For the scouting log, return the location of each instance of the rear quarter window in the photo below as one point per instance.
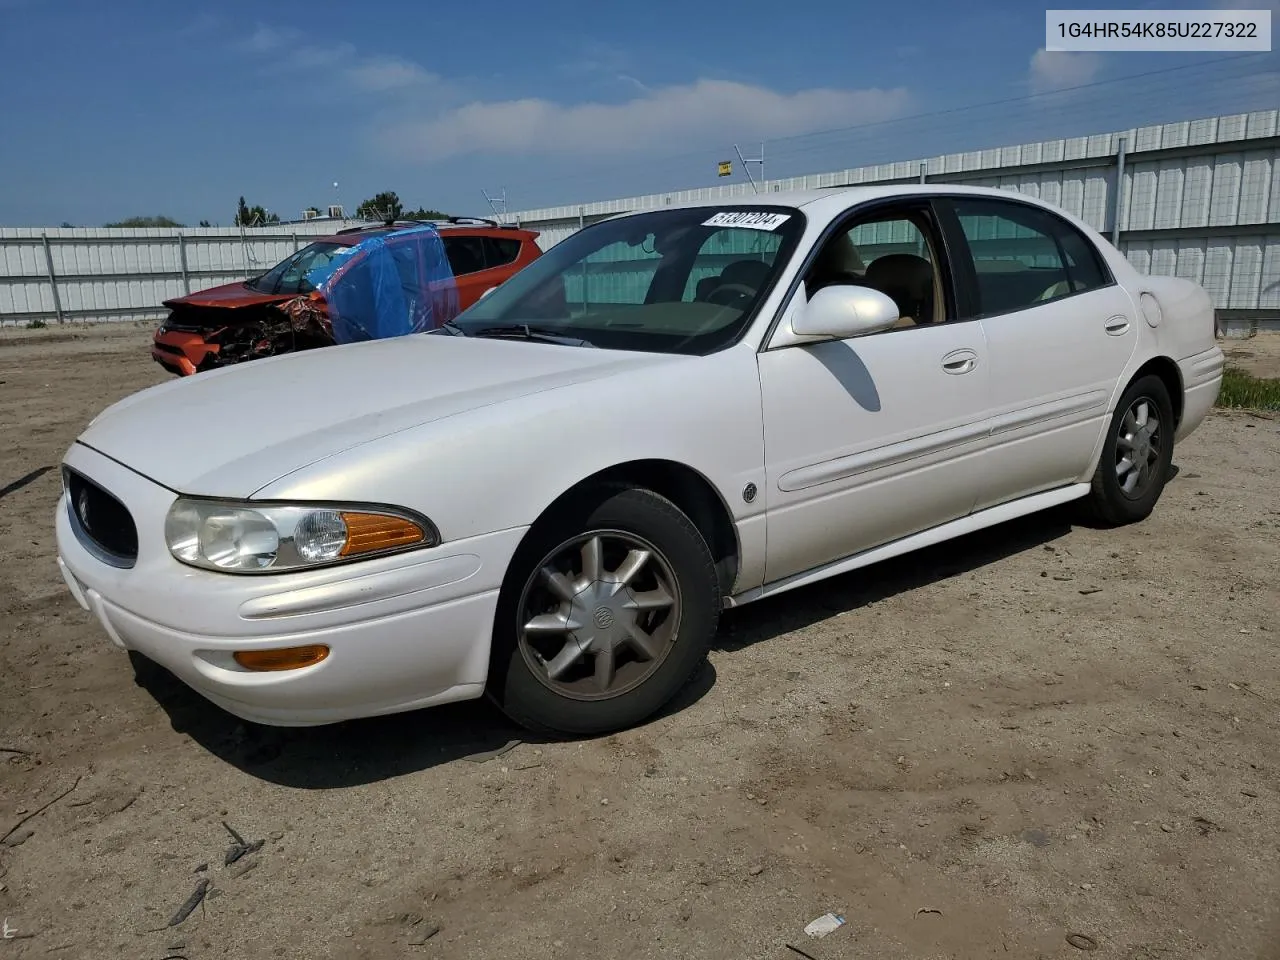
(466, 254)
(500, 251)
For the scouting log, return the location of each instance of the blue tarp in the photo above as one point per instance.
(388, 285)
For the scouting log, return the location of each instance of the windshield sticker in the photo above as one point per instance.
(749, 220)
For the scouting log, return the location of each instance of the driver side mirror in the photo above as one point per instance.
(844, 311)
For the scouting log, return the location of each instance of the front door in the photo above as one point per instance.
(874, 438)
(1060, 333)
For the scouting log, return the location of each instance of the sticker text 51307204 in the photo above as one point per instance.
(750, 220)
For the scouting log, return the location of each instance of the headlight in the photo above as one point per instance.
(275, 538)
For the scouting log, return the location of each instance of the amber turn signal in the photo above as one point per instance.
(367, 532)
(286, 658)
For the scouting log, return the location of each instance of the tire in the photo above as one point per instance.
(577, 617)
(1108, 501)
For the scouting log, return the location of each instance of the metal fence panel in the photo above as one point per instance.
(1197, 199)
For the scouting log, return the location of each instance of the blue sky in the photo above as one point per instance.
(131, 108)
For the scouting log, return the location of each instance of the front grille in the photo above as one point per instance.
(169, 348)
(102, 521)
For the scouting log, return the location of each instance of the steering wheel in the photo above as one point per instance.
(736, 291)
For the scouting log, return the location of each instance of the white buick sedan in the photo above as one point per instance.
(550, 500)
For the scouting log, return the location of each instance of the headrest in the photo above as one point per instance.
(749, 272)
(839, 256)
(902, 271)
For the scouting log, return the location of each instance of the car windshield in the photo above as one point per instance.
(673, 281)
(290, 274)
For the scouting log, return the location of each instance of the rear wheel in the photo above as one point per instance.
(1136, 456)
(608, 609)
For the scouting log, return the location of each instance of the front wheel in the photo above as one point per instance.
(1136, 456)
(608, 610)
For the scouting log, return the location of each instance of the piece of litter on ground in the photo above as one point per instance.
(825, 924)
(193, 901)
(484, 755)
(422, 936)
(19, 838)
(236, 851)
(244, 868)
(794, 949)
(1082, 942)
(928, 910)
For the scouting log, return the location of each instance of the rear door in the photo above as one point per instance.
(478, 263)
(1059, 331)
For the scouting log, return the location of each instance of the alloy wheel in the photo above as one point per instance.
(599, 615)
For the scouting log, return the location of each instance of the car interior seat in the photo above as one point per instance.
(837, 262)
(748, 273)
(908, 280)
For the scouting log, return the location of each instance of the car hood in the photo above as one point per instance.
(229, 295)
(231, 431)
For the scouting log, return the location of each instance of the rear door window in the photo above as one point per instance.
(1023, 256)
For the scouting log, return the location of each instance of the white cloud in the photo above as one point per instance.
(431, 118)
(379, 74)
(286, 49)
(1058, 69)
(704, 112)
(266, 39)
(633, 82)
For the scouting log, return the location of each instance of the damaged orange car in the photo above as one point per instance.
(281, 311)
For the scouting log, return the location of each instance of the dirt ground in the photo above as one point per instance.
(1258, 355)
(1039, 732)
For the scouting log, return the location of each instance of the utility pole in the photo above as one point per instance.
(744, 161)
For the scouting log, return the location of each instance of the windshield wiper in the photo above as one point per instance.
(450, 328)
(527, 332)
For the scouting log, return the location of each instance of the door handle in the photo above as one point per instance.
(1117, 325)
(960, 361)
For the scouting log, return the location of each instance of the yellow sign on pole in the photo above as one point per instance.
(726, 168)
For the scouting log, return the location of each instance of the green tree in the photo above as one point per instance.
(385, 206)
(247, 216)
(424, 214)
(205, 223)
(146, 222)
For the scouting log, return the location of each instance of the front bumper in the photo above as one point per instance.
(404, 632)
(181, 352)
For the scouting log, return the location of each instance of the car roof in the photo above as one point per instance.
(829, 202)
(467, 226)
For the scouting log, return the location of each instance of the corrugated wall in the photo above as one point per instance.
(1200, 199)
(125, 273)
